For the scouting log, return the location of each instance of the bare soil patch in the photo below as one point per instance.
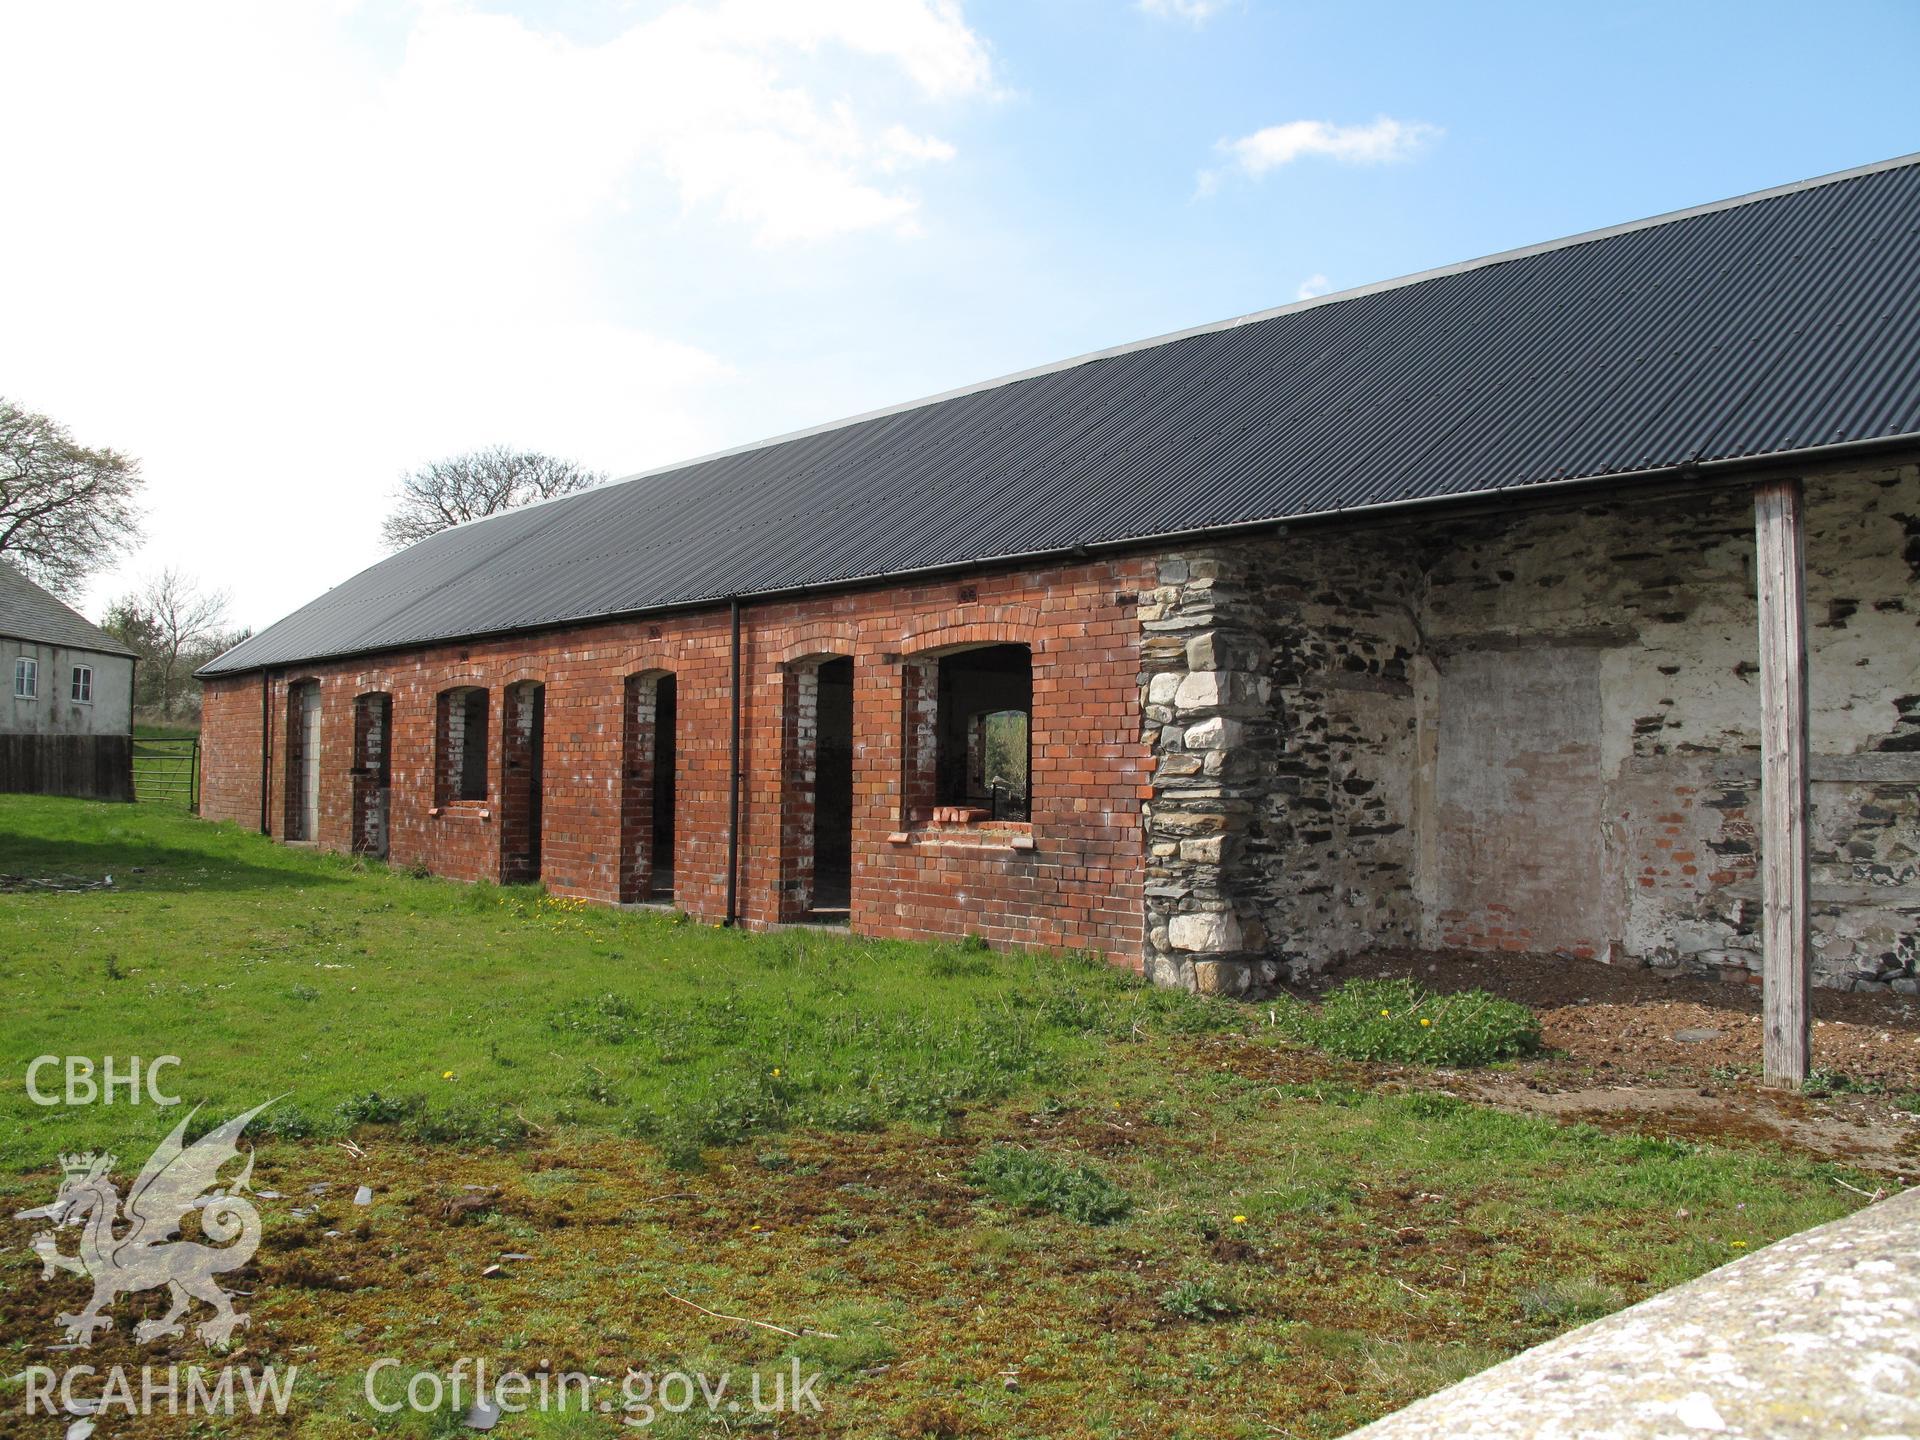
(1631, 1048)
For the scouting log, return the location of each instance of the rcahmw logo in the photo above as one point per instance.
(132, 1245)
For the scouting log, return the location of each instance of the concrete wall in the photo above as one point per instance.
(54, 712)
(1534, 732)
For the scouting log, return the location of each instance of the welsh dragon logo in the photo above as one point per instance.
(125, 1248)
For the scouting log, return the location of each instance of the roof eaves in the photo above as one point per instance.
(1729, 468)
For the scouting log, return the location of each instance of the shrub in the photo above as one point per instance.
(466, 1124)
(288, 1122)
(1401, 1020)
(373, 1108)
(1199, 1300)
(1034, 1181)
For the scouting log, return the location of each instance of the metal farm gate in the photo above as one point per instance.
(167, 772)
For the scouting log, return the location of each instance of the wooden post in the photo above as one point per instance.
(1780, 572)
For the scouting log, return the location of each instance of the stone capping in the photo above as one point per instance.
(969, 835)
(1817, 1335)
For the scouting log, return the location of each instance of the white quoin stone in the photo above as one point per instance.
(1162, 688)
(1202, 690)
(1215, 734)
(1208, 932)
(1209, 850)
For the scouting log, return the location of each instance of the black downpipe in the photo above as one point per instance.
(266, 733)
(733, 778)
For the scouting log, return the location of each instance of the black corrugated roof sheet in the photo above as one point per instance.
(1774, 323)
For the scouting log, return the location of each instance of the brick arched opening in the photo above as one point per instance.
(649, 785)
(816, 790)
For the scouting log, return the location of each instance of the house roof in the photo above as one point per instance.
(1767, 325)
(29, 613)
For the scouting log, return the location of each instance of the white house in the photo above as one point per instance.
(61, 673)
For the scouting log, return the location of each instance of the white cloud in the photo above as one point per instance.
(1312, 286)
(1384, 141)
(286, 251)
(1197, 12)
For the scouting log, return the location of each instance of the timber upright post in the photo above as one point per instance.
(1780, 576)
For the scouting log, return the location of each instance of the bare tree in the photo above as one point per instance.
(65, 510)
(481, 482)
(175, 627)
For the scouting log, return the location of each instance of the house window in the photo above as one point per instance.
(83, 684)
(26, 679)
(460, 769)
(969, 739)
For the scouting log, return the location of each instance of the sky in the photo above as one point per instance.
(284, 252)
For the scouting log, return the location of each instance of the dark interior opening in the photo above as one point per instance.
(524, 782)
(833, 788)
(665, 768)
(985, 743)
(372, 772)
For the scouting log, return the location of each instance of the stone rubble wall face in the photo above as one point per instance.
(1535, 732)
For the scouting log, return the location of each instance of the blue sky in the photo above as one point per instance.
(321, 241)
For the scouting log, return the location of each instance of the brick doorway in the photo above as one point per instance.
(649, 771)
(522, 782)
(372, 772)
(303, 760)
(817, 813)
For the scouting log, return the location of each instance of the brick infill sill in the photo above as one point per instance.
(463, 810)
(983, 835)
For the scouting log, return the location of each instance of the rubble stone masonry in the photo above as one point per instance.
(1531, 732)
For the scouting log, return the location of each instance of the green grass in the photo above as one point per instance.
(994, 1195)
(272, 971)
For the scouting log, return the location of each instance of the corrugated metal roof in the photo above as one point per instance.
(29, 613)
(1765, 325)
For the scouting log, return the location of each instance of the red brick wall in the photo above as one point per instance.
(1071, 880)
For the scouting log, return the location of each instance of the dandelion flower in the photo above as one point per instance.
(1385, 1013)
(1239, 1219)
(446, 1074)
(1425, 1021)
(776, 1072)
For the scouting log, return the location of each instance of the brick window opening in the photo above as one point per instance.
(969, 736)
(460, 733)
(649, 773)
(816, 816)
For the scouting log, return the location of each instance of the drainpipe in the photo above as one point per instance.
(266, 732)
(133, 689)
(733, 777)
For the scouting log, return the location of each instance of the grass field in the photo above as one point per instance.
(995, 1195)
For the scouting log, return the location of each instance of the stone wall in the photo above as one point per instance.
(1532, 732)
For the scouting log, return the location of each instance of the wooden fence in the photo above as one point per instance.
(93, 767)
